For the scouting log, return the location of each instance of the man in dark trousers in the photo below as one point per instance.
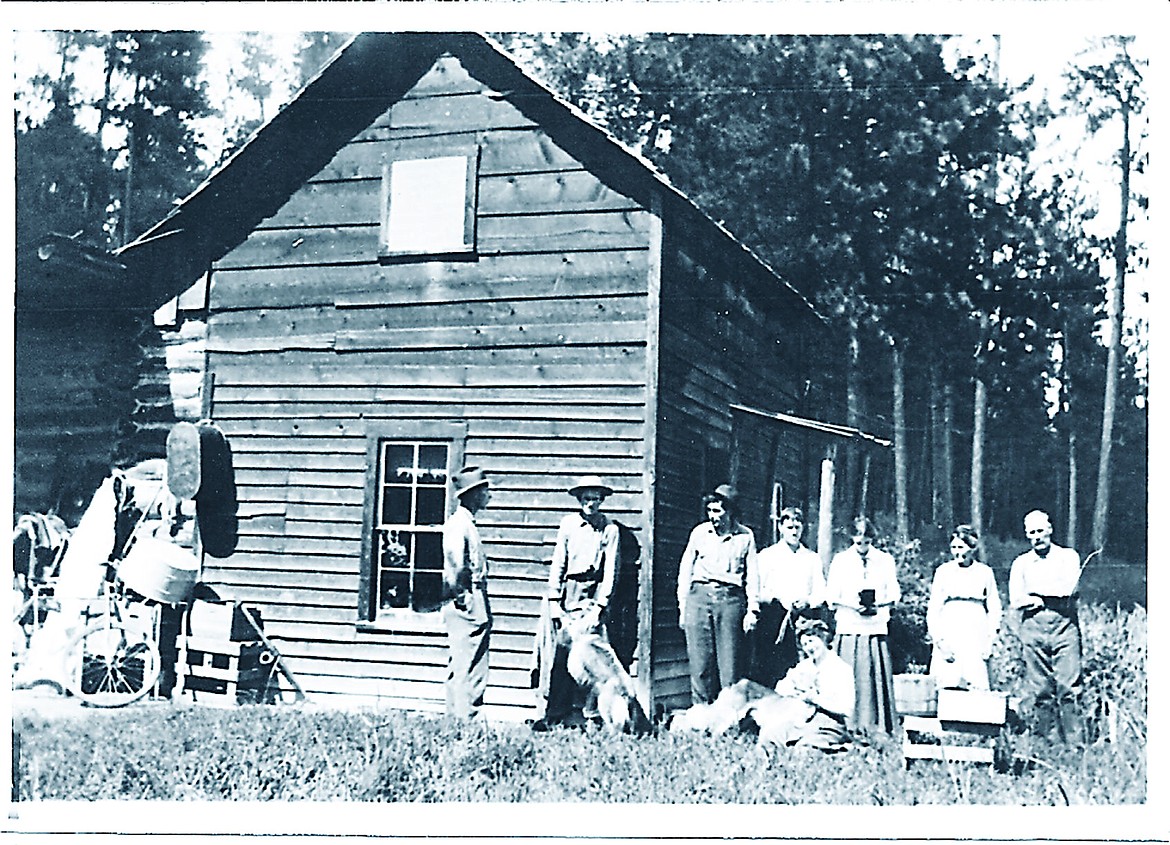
(1042, 589)
(466, 615)
(718, 595)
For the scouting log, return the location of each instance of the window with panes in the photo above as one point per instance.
(408, 497)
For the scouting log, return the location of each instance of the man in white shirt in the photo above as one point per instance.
(466, 615)
(1042, 589)
(792, 587)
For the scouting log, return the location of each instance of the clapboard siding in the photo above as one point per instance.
(717, 348)
(356, 202)
(538, 346)
(496, 235)
(513, 277)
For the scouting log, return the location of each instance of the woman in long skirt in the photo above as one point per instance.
(862, 586)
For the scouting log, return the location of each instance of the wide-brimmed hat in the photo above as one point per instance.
(590, 482)
(467, 479)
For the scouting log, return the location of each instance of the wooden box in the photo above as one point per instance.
(221, 621)
(972, 706)
(225, 673)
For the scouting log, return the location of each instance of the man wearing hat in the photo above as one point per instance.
(1042, 589)
(718, 595)
(466, 615)
(580, 583)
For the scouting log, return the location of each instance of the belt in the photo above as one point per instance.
(972, 599)
(1061, 604)
(716, 584)
(587, 575)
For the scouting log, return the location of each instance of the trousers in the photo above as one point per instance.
(468, 637)
(1052, 674)
(713, 624)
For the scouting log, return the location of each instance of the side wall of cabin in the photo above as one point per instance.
(536, 349)
(723, 342)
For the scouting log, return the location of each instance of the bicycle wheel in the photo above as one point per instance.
(110, 665)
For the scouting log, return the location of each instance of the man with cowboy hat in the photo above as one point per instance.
(718, 595)
(580, 583)
(466, 615)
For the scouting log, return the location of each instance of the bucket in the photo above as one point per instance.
(915, 695)
(159, 570)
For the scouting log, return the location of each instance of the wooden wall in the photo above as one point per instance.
(723, 342)
(74, 374)
(539, 346)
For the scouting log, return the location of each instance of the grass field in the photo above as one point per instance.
(285, 753)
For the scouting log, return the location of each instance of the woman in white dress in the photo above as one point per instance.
(963, 615)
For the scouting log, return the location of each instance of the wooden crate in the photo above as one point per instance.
(966, 727)
(225, 672)
(972, 706)
(209, 620)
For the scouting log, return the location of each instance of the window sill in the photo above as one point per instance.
(468, 255)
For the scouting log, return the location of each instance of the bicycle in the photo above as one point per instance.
(114, 660)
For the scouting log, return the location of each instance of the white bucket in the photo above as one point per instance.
(159, 570)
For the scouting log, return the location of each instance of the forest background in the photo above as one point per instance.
(988, 287)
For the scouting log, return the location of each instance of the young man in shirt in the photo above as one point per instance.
(718, 596)
(580, 583)
(792, 586)
(1042, 589)
(466, 615)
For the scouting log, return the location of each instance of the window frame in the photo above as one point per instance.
(453, 435)
(468, 149)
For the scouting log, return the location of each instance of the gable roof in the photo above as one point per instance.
(368, 75)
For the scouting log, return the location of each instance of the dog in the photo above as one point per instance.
(727, 711)
(594, 665)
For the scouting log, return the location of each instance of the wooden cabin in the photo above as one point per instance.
(426, 260)
(90, 387)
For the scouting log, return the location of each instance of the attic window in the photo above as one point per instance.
(428, 207)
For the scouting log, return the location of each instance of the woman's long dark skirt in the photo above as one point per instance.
(873, 677)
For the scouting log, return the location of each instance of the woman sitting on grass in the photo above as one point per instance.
(813, 701)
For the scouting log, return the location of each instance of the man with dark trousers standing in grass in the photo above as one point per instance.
(1042, 590)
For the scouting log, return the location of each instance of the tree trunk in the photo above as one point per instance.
(900, 487)
(852, 418)
(980, 420)
(1071, 531)
(942, 506)
(1116, 313)
(947, 471)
